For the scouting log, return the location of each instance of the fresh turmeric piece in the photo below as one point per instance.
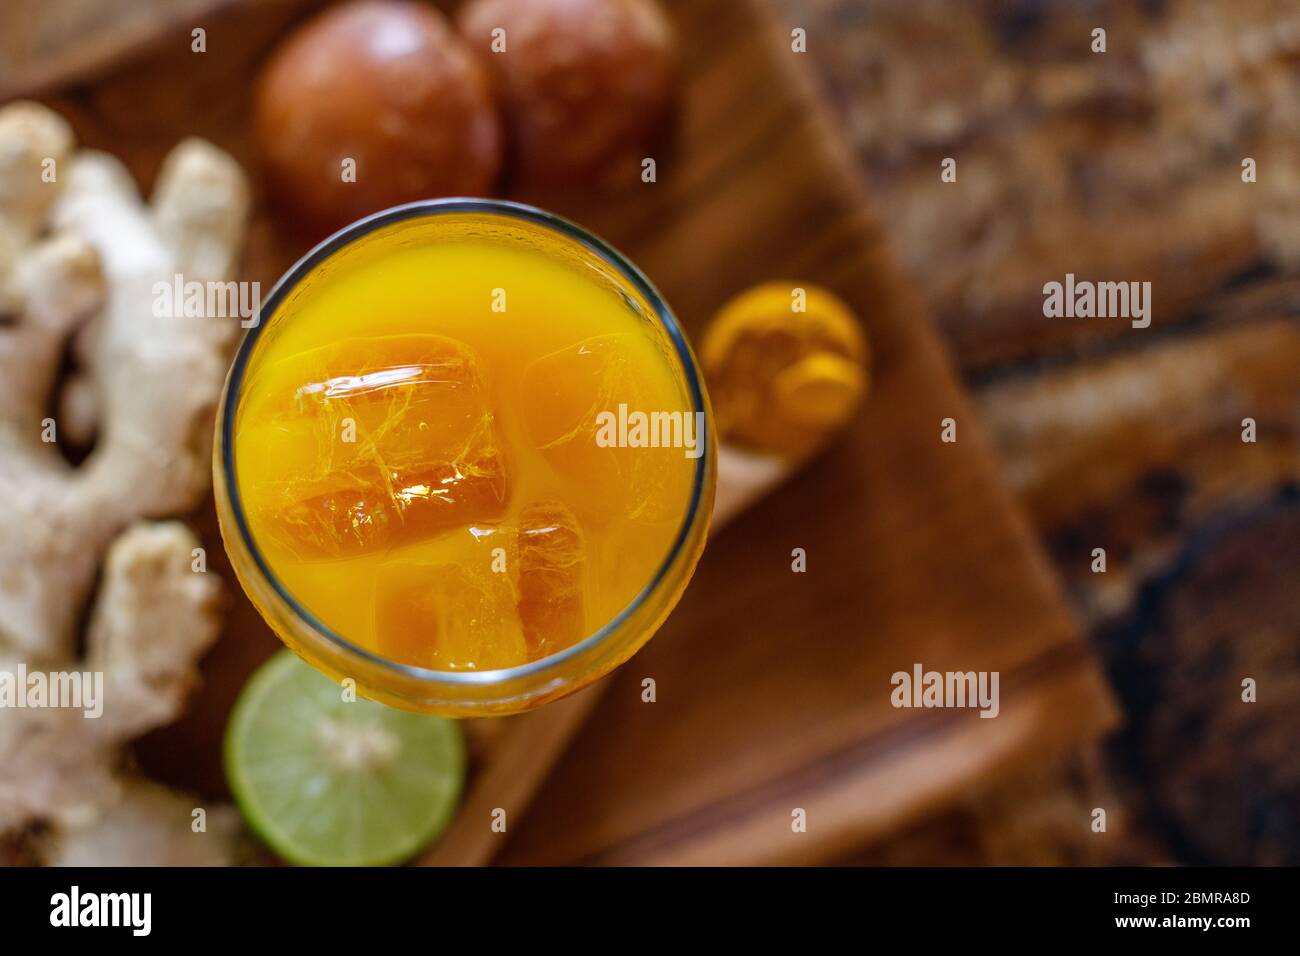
(786, 365)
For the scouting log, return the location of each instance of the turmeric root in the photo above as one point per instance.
(786, 367)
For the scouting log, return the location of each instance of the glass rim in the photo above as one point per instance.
(427, 208)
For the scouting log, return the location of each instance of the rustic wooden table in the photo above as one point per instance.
(1126, 166)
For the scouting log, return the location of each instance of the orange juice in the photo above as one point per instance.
(465, 444)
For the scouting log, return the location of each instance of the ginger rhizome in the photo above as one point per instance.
(80, 255)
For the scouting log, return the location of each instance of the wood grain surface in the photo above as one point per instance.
(772, 687)
(1123, 165)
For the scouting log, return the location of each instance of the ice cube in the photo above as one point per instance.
(567, 392)
(378, 442)
(483, 598)
(552, 561)
(450, 604)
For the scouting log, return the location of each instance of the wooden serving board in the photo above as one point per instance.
(772, 688)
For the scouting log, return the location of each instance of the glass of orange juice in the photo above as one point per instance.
(465, 459)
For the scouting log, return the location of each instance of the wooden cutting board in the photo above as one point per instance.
(772, 687)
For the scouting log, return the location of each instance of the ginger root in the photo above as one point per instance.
(80, 254)
(150, 826)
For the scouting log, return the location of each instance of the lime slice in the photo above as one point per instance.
(330, 782)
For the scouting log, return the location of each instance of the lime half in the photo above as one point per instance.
(332, 782)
